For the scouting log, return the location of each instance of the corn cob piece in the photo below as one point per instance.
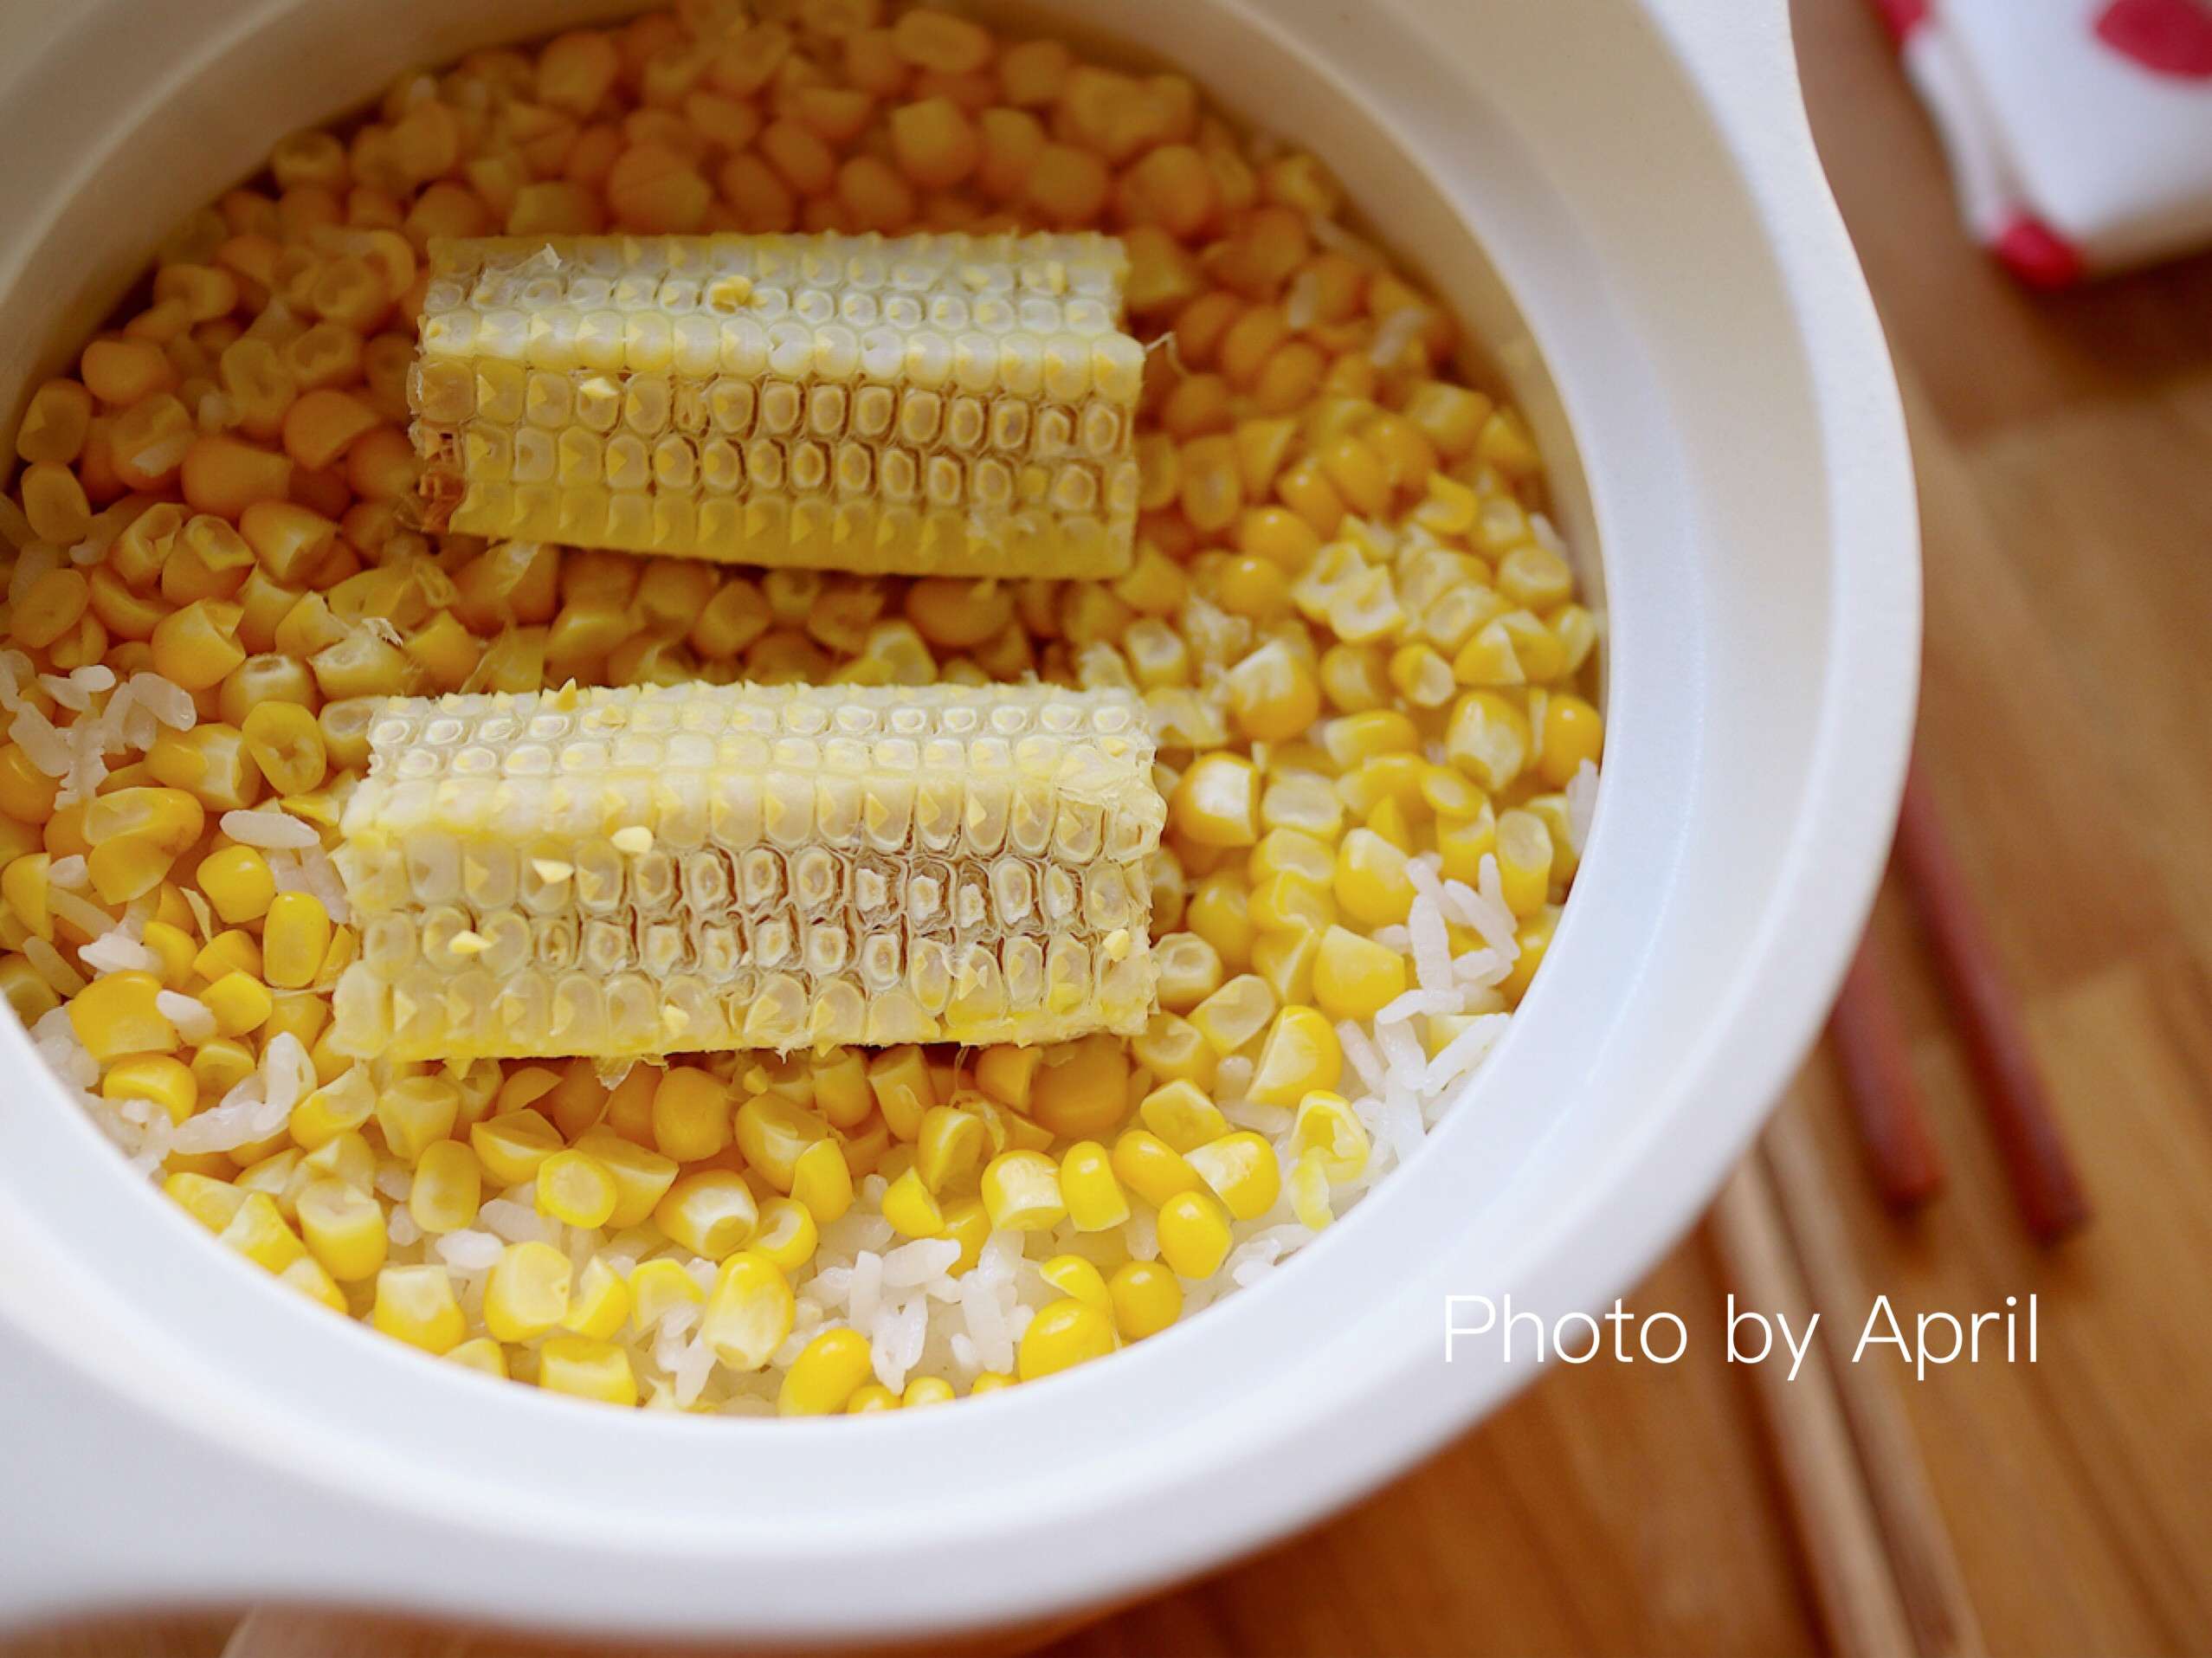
(953, 405)
(629, 873)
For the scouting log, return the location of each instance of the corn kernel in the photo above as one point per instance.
(1301, 1053)
(345, 1229)
(911, 1208)
(1356, 978)
(774, 1132)
(1020, 1190)
(528, 1291)
(1152, 1168)
(710, 1213)
(1067, 1334)
(482, 1354)
(448, 1187)
(115, 1015)
(1217, 800)
(822, 1181)
(871, 1398)
(690, 1115)
(1073, 1276)
(1182, 1115)
(416, 1111)
(599, 1306)
(585, 1368)
(1194, 1234)
(1146, 1299)
(295, 936)
(156, 1077)
(748, 1310)
(828, 1371)
(417, 1305)
(511, 1144)
(576, 1189)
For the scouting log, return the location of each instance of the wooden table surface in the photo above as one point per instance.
(2065, 455)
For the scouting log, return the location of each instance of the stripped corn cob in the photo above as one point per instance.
(931, 404)
(631, 872)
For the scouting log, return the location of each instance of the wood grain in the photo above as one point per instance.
(2064, 451)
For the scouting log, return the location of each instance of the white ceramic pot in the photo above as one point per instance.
(1620, 195)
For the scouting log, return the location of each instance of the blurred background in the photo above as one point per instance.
(2063, 436)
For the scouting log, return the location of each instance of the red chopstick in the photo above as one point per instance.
(1879, 1084)
(2013, 1095)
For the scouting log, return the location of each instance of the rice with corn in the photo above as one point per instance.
(1354, 634)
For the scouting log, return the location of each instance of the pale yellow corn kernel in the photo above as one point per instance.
(692, 1115)
(787, 1234)
(240, 1002)
(309, 1277)
(1216, 803)
(871, 1398)
(1355, 977)
(642, 1175)
(748, 1310)
(1524, 853)
(925, 1390)
(1152, 1168)
(774, 1132)
(210, 1202)
(1064, 1334)
(295, 937)
(1241, 1171)
(115, 1015)
(1464, 843)
(156, 1077)
(220, 1064)
(1309, 1192)
(448, 1187)
(899, 1078)
(1274, 693)
(951, 1145)
(658, 1288)
(1190, 971)
(1301, 1053)
(1488, 738)
(576, 1189)
(1172, 1046)
(1194, 1234)
(1081, 1090)
(909, 1207)
(1219, 912)
(345, 1229)
(1329, 1130)
(710, 1213)
(1020, 1190)
(599, 1306)
(528, 1291)
(1182, 1115)
(840, 1087)
(1072, 1275)
(511, 1144)
(1289, 901)
(585, 1368)
(828, 1371)
(416, 1112)
(417, 1305)
(823, 1180)
(1234, 1014)
(482, 1354)
(260, 1232)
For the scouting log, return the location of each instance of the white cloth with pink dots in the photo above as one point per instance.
(2078, 132)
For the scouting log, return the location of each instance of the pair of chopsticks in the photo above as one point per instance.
(1878, 1075)
(1882, 1570)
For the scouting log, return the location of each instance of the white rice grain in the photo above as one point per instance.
(269, 829)
(194, 1021)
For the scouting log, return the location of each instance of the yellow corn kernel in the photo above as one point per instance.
(1534, 937)
(658, 1288)
(951, 1145)
(899, 1078)
(343, 1227)
(927, 1390)
(1088, 1186)
(576, 1189)
(1290, 902)
(787, 1234)
(1301, 1053)
(911, 1209)
(1194, 1234)
(1182, 1115)
(1356, 978)
(1241, 1171)
(1309, 1192)
(748, 1310)
(527, 1293)
(840, 1087)
(240, 1004)
(337, 1107)
(823, 1180)
(774, 1134)
(871, 1398)
(198, 645)
(286, 740)
(415, 1113)
(1274, 693)
(1190, 971)
(212, 1202)
(1220, 912)
(1329, 1131)
(1574, 734)
(989, 1381)
(511, 1144)
(482, 1354)
(1073, 1276)
(1488, 738)
(1524, 861)
(690, 1115)
(710, 1213)
(115, 1015)
(1371, 880)
(308, 1276)
(221, 1064)
(417, 1305)
(599, 1307)
(823, 1379)
(25, 883)
(1081, 1089)
(1216, 803)
(1234, 1014)
(1464, 843)
(448, 1187)
(166, 1081)
(642, 1177)
(585, 1368)
(1067, 1334)
(1020, 1190)
(1152, 1168)
(295, 937)
(1146, 1299)
(238, 882)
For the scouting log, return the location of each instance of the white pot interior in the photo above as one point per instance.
(1647, 281)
